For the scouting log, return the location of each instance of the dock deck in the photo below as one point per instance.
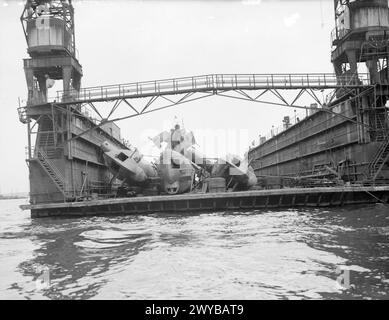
(244, 200)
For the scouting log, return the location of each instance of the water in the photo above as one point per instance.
(290, 254)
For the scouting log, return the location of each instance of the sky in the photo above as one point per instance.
(128, 41)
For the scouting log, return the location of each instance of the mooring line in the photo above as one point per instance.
(369, 193)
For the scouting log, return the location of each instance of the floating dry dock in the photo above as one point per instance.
(245, 200)
(342, 140)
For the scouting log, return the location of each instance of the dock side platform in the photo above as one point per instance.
(196, 202)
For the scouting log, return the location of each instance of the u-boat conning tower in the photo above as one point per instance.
(61, 169)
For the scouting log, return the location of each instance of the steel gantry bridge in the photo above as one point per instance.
(214, 83)
(175, 91)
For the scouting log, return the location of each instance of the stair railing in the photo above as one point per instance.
(43, 157)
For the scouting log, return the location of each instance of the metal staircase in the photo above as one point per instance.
(379, 160)
(379, 119)
(46, 143)
(46, 138)
(55, 175)
(380, 126)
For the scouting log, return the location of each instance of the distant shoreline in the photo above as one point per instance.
(12, 197)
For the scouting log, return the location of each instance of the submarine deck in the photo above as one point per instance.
(243, 200)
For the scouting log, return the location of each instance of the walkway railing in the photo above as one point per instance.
(213, 82)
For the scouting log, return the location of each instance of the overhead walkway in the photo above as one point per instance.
(211, 83)
(188, 89)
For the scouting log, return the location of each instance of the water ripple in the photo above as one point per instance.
(284, 254)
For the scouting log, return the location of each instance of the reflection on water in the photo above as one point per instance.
(290, 254)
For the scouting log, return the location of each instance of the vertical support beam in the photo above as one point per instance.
(319, 200)
(386, 81)
(306, 199)
(358, 113)
(365, 118)
(66, 76)
(77, 82)
(341, 200)
(53, 125)
(352, 59)
(372, 67)
(337, 68)
(42, 88)
(29, 138)
(29, 74)
(69, 132)
(280, 200)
